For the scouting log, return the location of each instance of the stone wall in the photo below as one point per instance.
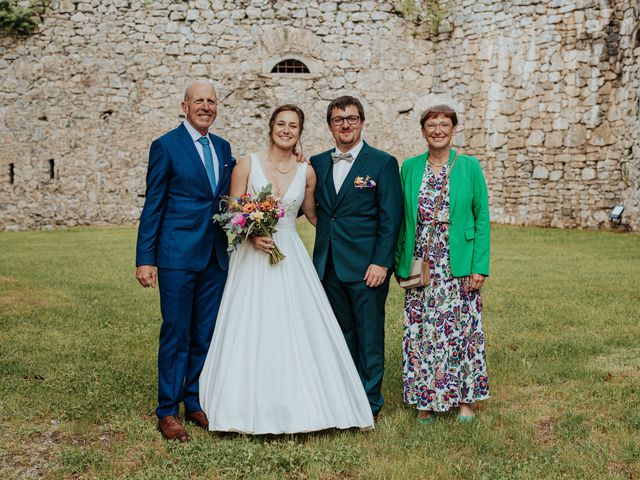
(547, 92)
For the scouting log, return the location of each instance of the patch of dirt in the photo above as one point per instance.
(32, 457)
(543, 432)
(624, 470)
(35, 454)
(621, 362)
(18, 299)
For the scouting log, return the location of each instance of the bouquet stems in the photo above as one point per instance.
(276, 254)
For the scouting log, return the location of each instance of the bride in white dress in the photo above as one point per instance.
(278, 362)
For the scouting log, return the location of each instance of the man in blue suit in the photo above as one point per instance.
(181, 249)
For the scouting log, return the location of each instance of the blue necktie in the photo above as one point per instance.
(208, 162)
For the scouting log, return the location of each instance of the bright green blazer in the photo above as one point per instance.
(469, 235)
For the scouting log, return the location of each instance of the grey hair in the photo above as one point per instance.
(187, 90)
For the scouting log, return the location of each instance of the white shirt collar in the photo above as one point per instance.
(355, 150)
(195, 135)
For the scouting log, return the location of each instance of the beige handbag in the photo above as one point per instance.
(419, 275)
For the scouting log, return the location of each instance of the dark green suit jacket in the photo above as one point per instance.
(358, 225)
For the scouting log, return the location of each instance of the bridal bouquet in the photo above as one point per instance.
(251, 215)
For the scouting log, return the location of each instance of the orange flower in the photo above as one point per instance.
(266, 206)
(249, 207)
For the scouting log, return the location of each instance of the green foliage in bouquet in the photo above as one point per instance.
(251, 215)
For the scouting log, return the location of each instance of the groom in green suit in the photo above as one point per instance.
(360, 208)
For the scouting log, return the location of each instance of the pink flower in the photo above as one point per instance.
(280, 213)
(238, 219)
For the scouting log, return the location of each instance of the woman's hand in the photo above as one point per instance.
(300, 157)
(262, 244)
(475, 281)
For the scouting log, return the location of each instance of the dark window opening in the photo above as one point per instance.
(290, 65)
(52, 169)
(11, 173)
(106, 114)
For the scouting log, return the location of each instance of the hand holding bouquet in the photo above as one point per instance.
(249, 215)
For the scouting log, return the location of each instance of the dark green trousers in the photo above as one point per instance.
(360, 313)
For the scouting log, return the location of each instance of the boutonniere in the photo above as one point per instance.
(365, 182)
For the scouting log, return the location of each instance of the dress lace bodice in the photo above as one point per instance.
(292, 199)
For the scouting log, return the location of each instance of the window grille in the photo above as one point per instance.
(290, 65)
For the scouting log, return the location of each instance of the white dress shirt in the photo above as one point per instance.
(341, 169)
(195, 135)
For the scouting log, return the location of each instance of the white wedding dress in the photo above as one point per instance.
(278, 362)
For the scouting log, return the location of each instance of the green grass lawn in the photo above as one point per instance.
(78, 343)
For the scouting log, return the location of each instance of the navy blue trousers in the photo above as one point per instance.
(189, 302)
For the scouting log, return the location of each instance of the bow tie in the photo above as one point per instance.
(337, 157)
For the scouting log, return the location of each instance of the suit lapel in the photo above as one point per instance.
(190, 149)
(454, 183)
(223, 163)
(347, 185)
(325, 178)
(416, 183)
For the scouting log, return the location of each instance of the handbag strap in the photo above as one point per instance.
(438, 205)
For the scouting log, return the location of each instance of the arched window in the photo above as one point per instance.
(290, 65)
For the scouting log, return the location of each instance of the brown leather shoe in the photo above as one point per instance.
(199, 418)
(172, 429)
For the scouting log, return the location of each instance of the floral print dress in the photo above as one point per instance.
(443, 350)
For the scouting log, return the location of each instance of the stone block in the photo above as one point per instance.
(602, 136)
(478, 140)
(536, 138)
(66, 6)
(328, 7)
(253, 13)
(502, 124)
(379, 16)
(508, 107)
(540, 173)
(79, 17)
(516, 142)
(576, 136)
(588, 174)
(553, 140)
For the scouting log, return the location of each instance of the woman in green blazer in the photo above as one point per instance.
(443, 350)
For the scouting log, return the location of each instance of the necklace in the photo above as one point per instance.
(275, 164)
(436, 164)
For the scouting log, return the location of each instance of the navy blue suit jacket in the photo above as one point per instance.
(176, 230)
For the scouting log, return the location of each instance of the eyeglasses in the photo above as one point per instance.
(351, 120)
(443, 126)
